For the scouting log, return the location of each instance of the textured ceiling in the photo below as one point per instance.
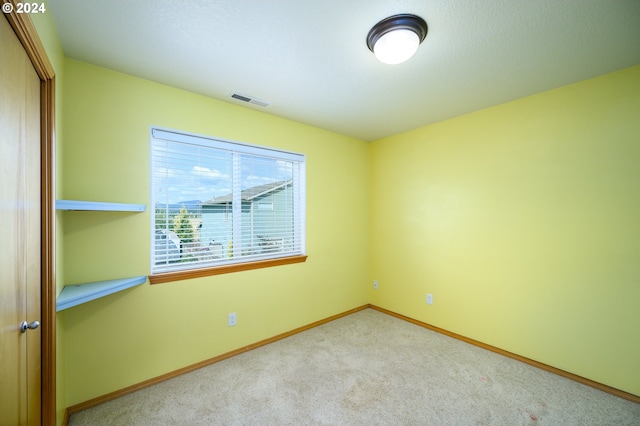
(310, 62)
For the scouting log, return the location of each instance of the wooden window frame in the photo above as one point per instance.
(226, 269)
(211, 268)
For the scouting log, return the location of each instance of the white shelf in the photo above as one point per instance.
(77, 294)
(98, 206)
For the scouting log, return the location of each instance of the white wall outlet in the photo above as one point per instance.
(375, 284)
(429, 299)
(232, 319)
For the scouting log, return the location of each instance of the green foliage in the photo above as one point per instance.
(188, 258)
(162, 220)
(182, 226)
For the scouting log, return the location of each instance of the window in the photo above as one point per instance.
(219, 206)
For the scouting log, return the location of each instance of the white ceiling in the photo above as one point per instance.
(309, 59)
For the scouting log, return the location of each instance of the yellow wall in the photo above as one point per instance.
(523, 221)
(149, 330)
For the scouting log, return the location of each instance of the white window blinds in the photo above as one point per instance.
(218, 202)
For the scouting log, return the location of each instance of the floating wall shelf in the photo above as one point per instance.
(98, 206)
(72, 295)
(77, 294)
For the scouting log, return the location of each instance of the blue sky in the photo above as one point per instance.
(186, 172)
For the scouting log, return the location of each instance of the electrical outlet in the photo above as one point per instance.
(232, 319)
(375, 284)
(429, 299)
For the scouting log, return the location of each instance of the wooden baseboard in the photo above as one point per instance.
(65, 419)
(113, 395)
(608, 389)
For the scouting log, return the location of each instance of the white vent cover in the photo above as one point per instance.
(249, 99)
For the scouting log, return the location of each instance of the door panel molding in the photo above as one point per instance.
(28, 36)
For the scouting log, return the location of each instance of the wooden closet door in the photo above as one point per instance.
(20, 233)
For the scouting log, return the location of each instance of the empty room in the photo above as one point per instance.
(266, 212)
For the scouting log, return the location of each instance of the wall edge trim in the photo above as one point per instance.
(583, 380)
(133, 388)
(155, 380)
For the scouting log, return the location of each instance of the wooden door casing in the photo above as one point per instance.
(28, 37)
(20, 195)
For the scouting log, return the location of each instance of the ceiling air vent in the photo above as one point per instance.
(250, 100)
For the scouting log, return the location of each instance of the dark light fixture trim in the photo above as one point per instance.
(403, 21)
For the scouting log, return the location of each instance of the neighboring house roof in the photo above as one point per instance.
(250, 194)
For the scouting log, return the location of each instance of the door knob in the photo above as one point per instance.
(24, 326)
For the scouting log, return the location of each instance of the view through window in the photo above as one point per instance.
(217, 202)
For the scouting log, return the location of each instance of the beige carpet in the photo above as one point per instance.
(366, 369)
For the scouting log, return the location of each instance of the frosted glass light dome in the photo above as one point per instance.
(396, 46)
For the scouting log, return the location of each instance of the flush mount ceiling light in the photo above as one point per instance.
(396, 38)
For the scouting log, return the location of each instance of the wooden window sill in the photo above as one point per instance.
(225, 269)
